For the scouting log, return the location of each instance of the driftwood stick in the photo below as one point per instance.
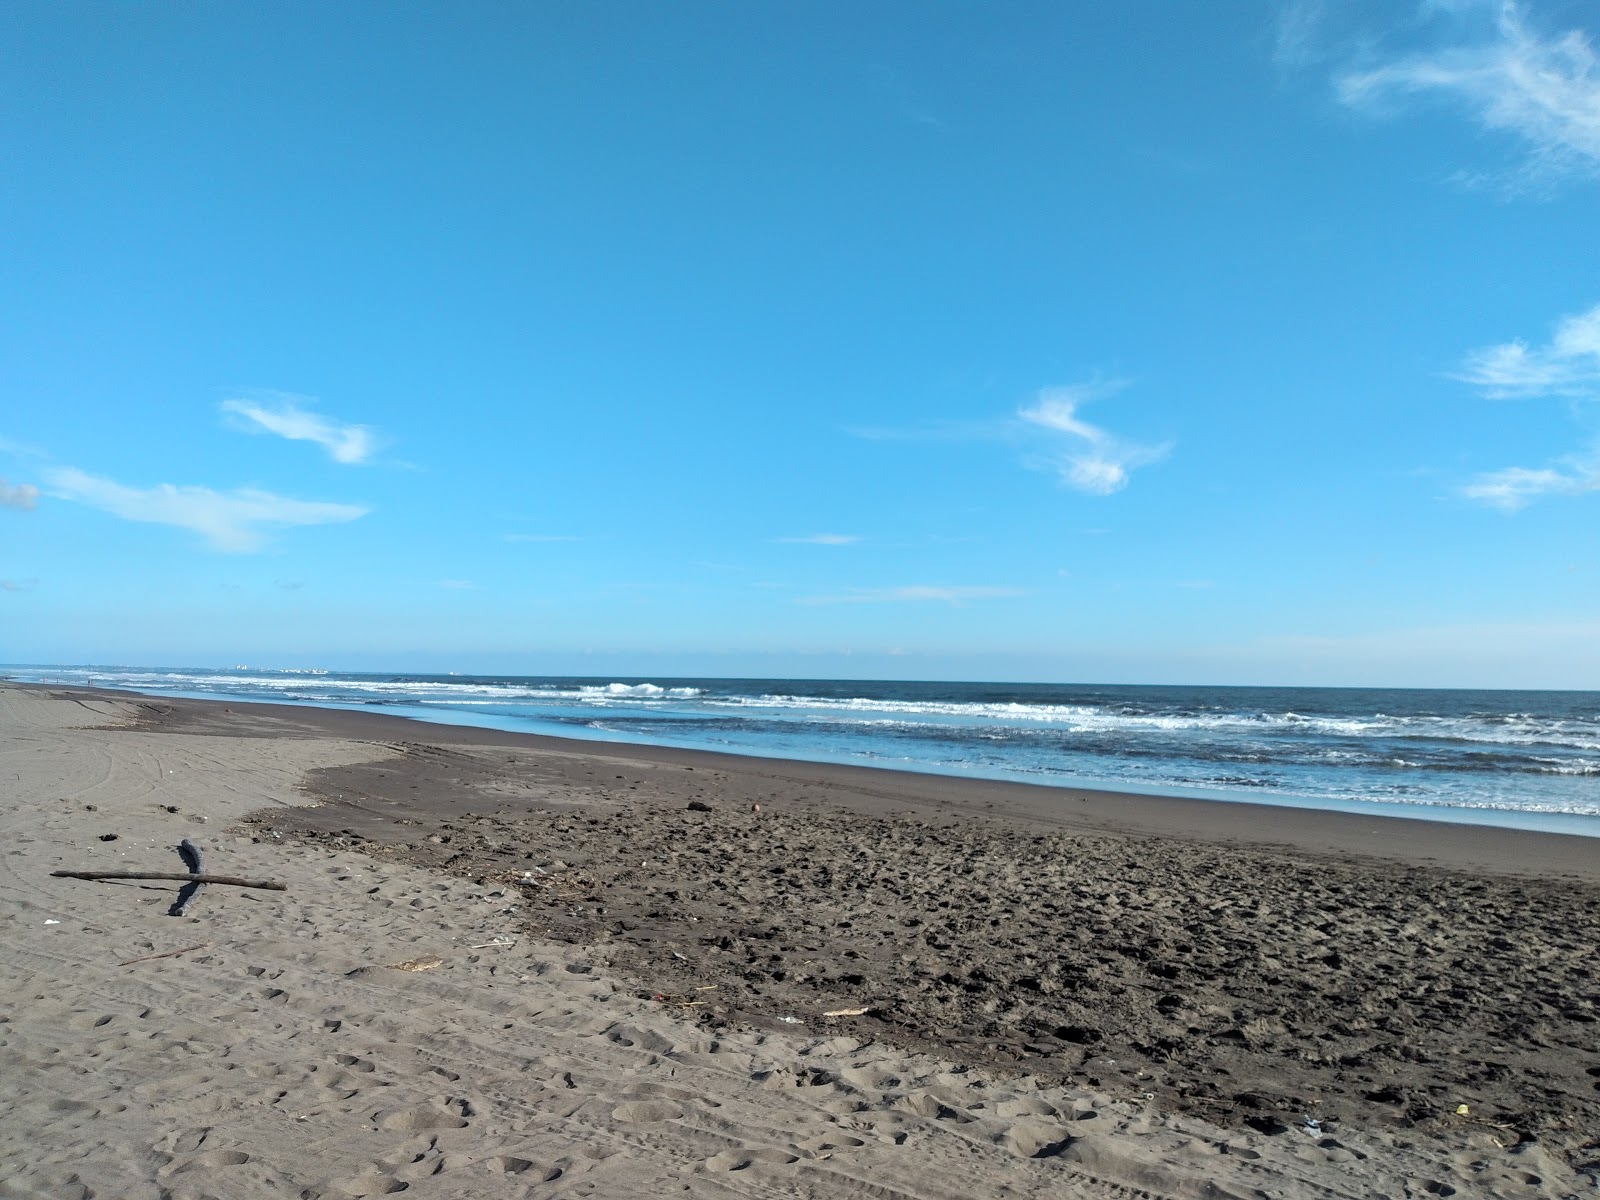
(189, 851)
(230, 880)
(164, 954)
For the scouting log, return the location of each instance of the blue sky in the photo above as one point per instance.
(1152, 342)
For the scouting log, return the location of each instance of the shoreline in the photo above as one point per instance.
(1555, 817)
(1450, 844)
(1495, 848)
(865, 987)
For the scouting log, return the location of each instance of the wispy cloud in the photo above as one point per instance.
(21, 449)
(1295, 36)
(821, 539)
(956, 596)
(23, 496)
(18, 585)
(1569, 365)
(1093, 459)
(284, 416)
(235, 522)
(1514, 488)
(1051, 434)
(1542, 88)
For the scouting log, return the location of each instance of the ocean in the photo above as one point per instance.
(1525, 759)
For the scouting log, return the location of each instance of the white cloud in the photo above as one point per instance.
(1568, 366)
(18, 585)
(1544, 89)
(284, 417)
(230, 521)
(1097, 461)
(21, 496)
(1295, 37)
(1086, 456)
(822, 539)
(917, 593)
(1514, 488)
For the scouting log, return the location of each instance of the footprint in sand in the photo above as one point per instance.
(1035, 1139)
(742, 1160)
(511, 1165)
(927, 1104)
(831, 1141)
(185, 1085)
(211, 1160)
(642, 1111)
(70, 1188)
(371, 1185)
(85, 1021)
(420, 1120)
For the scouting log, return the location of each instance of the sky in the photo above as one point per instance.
(1235, 342)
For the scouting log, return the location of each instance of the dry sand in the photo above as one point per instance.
(1114, 997)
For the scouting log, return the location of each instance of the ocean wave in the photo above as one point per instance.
(338, 687)
(649, 691)
(1434, 749)
(1407, 738)
(1529, 731)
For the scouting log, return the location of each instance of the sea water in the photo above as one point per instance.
(1517, 758)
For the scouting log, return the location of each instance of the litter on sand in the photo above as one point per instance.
(417, 964)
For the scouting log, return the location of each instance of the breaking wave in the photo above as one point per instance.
(1471, 751)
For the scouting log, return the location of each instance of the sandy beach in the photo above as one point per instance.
(506, 965)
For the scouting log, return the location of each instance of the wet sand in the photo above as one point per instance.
(1320, 991)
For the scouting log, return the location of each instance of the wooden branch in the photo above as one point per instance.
(190, 852)
(193, 859)
(164, 954)
(231, 880)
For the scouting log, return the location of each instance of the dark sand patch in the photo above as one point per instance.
(1255, 985)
